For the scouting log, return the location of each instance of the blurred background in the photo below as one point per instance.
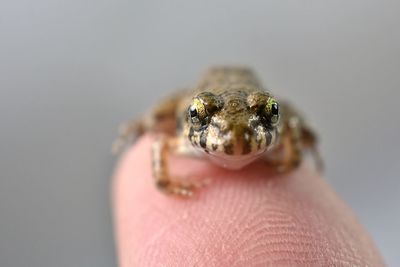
(71, 71)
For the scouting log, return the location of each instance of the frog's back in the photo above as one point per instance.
(223, 80)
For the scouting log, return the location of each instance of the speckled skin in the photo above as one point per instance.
(229, 118)
(235, 127)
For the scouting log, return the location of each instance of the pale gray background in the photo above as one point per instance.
(70, 71)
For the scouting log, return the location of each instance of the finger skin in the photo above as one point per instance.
(251, 217)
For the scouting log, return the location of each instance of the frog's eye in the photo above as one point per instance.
(272, 110)
(197, 113)
(202, 107)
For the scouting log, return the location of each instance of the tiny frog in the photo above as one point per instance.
(228, 118)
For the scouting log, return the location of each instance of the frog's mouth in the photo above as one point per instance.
(237, 147)
(233, 162)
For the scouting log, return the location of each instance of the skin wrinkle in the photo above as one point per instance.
(172, 239)
(281, 245)
(260, 236)
(262, 219)
(256, 232)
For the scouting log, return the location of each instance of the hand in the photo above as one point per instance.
(251, 217)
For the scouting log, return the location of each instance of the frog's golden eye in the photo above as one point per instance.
(197, 112)
(272, 110)
(202, 107)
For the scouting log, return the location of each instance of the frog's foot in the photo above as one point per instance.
(161, 150)
(286, 167)
(178, 188)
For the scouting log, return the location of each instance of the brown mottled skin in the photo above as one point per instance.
(232, 119)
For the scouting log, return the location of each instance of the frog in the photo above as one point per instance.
(228, 118)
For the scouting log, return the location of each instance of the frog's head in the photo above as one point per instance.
(234, 127)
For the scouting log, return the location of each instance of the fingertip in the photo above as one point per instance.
(243, 218)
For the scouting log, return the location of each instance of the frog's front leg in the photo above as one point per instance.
(287, 155)
(295, 138)
(161, 119)
(162, 148)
